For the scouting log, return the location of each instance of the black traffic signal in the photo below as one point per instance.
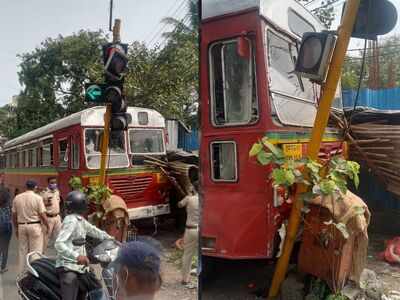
(315, 54)
(115, 64)
(374, 18)
(120, 119)
(115, 61)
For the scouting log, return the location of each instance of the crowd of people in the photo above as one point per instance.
(35, 218)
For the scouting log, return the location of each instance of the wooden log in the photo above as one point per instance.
(376, 155)
(377, 148)
(371, 141)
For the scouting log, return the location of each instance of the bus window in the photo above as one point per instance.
(63, 153)
(46, 155)
(26, 159)
(224, 161)
(2, 161)
(10, 160)
(16, 160)
(117, 149)
(233, 88)
(7, 160)
(293, 98)
(298, 25)
(23, 155)
(146, 141)
(32, 158)
(75, 156)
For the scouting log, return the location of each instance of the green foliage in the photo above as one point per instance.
(325, 11)
(75, 183)
(388, 54)
(328, 179)
(96, 193)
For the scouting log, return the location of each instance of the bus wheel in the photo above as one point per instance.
(208, 270)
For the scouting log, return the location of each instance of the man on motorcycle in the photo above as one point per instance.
(72, 263)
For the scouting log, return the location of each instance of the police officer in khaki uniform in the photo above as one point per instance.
(191, 237)
(51, 199)
(28, 213)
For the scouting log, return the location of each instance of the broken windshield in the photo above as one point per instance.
(117, 149)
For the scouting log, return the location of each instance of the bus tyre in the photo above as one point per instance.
(208, 270)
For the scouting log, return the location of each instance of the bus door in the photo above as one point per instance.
(63, 155)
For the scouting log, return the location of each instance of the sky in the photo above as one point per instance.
(358, 43)
(24, 24)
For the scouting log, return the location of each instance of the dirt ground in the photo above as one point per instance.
(388, 274)
(249, 280)
(172, 288)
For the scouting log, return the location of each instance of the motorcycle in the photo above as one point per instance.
(40, 280)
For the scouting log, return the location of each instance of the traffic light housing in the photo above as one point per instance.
(315, 54)
(374, 18)
(115, 65)
(115, 61)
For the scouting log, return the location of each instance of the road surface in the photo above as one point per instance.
(171, 288)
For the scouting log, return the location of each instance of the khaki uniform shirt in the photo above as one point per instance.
(192, 209)
(74, 228)
(51, 200)
(28, 206)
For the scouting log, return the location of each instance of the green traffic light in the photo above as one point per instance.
(94, 93)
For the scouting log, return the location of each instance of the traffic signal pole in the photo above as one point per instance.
(107, 117)
(328, 93)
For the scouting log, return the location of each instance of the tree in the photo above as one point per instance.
(164, 78)
(52, 77)
(324, 12)
(383, 76)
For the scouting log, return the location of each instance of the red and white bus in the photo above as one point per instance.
(71, 147)
(248, 90)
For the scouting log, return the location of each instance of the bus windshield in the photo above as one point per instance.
(293, 98)
(117, 149)
(146, 141)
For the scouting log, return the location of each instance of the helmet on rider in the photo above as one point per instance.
(76, 203)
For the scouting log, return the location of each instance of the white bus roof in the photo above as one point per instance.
(91, 117)
(276, 11)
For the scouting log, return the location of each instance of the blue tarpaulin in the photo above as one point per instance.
(188, 141)
(385, 99)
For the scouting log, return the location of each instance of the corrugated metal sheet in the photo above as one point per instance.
(188, 141)
(181, 137)
(172, 129)
(386, 99)
(373, 192)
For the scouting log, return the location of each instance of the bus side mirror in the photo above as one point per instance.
(243, 46)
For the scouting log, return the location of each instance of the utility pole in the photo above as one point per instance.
(107, 116)
(328, 93)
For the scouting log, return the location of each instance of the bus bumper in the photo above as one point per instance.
(148, 211)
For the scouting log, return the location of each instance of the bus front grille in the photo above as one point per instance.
(130, 187)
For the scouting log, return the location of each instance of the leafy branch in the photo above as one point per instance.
(322, 178)
(96, 193)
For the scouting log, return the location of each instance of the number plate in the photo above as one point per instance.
(294, 151)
